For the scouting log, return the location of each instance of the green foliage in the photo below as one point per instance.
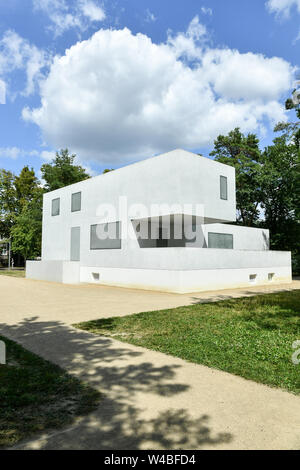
(289, 104)
(16, 192)
(12, 272)
(26, 232)
(268, 180)
(280, 177)
(21, 200)
(8, 202)
(26, 185)
(291, 130)
(286, 153)
(251, 337)
(107, 170)
(243, 153)
(62, 171)
(36, 396)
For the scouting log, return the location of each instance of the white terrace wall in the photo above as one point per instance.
(180, 270)
(244, 238)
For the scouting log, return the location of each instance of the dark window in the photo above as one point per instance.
(76, 202)
(161, 242)
(220, 240)
(223, 188)
(55, 206)
(75, 244)
(106, 236)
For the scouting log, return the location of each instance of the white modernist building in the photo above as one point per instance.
(161, 224)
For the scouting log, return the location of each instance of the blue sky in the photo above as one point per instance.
(179, 74)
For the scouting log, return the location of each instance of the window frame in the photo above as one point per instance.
(220, 248)
(52, 201)
(119, 239)
(75, 194)
(224, 178)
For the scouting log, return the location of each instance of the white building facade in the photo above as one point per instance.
(160, 224)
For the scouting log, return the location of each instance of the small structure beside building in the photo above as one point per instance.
(4, 253)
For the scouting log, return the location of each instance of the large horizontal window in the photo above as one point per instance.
(55, 206)
(220, 240)
(106, 236)
(76, 202)
(223, 188)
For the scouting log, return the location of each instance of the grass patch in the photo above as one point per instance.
(251, 337)
(36, 395)
(12, 272)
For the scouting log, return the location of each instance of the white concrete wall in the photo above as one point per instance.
(187, 258)
(177, 177)
(56, 271)
(180, 281)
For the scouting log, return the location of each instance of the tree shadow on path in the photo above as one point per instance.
(135, 412)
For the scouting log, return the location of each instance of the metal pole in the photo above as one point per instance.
(9, 255)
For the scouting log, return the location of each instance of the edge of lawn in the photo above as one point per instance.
(287, 378)
(37, 396)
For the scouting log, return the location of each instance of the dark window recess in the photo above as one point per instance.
(161, 242)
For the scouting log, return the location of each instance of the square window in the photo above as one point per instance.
(223, 188)
(220, 240)
(55, 207)
(105, 236)
(76, 202)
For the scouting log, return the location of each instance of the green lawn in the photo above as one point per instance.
(251, 337)
(36, 395)
(12, 272)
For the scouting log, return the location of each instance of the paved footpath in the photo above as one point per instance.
(150, 400)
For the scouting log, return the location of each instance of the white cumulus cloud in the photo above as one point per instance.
(16, 152)
(150, 17)
(189, 44)
(16, 53)
(65, 15)
(206, 11)
(283, 7)
(91, 10)
(117, 96)
(2, 92)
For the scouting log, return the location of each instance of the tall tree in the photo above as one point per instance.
(281, 193)
(62, 171)
(243, 153)
(26, 185)
(26, 232)
(8, 202)
(291, 130)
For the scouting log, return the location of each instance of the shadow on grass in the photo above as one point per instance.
(242, 294)
(120, 374)
(283, 308)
